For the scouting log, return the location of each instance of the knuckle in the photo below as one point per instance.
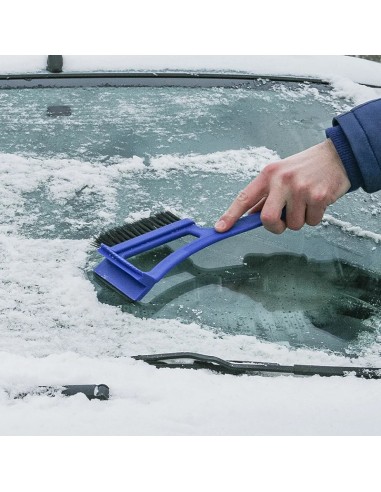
(313, 222)
(269, 219)
(243, 197)
(322, 196)
(295, 225)
(269, 170)
(315, 216)
(228, 218)
(301, 188)
(319, 197)
(287, 177)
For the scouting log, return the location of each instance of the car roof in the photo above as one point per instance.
(312, 66)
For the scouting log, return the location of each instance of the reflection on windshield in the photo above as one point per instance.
(281, 297)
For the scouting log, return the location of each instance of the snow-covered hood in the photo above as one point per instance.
(325, 67)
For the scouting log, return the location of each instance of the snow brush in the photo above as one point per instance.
(119, 244)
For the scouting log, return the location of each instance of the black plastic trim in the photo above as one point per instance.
(141, 79)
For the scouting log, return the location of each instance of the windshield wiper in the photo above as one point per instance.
(191, 360)
(91, 391)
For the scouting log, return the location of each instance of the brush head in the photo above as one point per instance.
(117, 235)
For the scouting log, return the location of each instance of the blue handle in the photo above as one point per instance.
(134, 283)
(206, 237)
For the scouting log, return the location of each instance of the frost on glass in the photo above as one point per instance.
(122, 153)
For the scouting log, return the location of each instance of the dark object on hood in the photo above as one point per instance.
(58, 111)
(55, 63)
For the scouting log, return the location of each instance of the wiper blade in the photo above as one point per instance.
(191, 360)
(91, 391)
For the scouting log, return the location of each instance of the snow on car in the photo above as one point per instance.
(112, 140)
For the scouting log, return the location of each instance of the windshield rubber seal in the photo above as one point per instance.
(145, 79)
(142, 79)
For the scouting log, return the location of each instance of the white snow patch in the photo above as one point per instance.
(63, 179)
(352, 229)
(326, 67)
(346, 88)
(243, 162)
(22, 63)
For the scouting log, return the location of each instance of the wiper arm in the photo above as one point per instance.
(91, 391)
(191, 360)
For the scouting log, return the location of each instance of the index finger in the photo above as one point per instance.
(245, 200)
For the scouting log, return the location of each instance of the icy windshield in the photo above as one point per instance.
(78, 160)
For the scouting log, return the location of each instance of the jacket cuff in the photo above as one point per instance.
(346, 155)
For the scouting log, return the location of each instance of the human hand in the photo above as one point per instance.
(305, 183)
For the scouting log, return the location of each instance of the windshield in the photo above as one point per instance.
(78, 160)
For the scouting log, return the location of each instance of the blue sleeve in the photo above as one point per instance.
(357, 138)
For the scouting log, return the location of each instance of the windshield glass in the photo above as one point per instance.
(76, 161)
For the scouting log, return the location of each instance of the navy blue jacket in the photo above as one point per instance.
(357, 138)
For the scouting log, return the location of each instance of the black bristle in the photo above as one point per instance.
(141, 229)
(159, 222)
(118, 235)
(172, 216)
